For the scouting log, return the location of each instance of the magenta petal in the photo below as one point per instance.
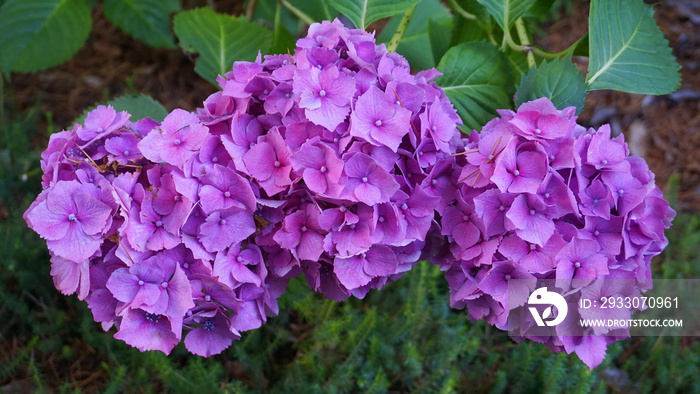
(152, 145)
(310, 246)
(76, 246)
(368, 194)
(350, 272)
(248, 317)
(328, 116)
(156, 334)
(92, 214)
(60, 198)
(243, 274)
(316, 181)
(592, 350)
(179, 293)
(259, 161)
(205, 341)
(48, 225)
(222, 230)
(69, 277)
(148, 294)
(380, 261)
(123, 285)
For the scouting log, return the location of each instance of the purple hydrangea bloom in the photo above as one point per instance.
(327, 137)
(540, 197)
(135, 222)
(337, 163)
(302, 164)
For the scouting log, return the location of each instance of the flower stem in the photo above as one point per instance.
(297, 12)
(458, 9)
(250, 10)
(396, 38)
(525, 41)
(531, 49)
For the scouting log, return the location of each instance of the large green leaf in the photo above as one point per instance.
(417, 41)
(627, 50)
(139, 106)
(145, 20)
(505, 12)
(558, 80)
(364, 12)
(37, 34)
(219, 39)
(518, 64)
(476, 78)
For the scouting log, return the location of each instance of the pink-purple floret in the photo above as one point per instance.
(338, 164)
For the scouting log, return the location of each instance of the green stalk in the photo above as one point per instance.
(297, 12)
(525, 41)
(531, 49)
(461, 11)
(396, 38)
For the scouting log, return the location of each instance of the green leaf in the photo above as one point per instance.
(476, 79)
(417, 42)
(364, 12)
(505, 12)
(440, 36)
(282, 40)
(518, 64)
(138, 105)
(219, 39)
(145, 20)
(558, 80)
(265, 13)
(467, 31)
(483, 18)
(627, 50)
(582, 45)
(38, 34)
(541, 9)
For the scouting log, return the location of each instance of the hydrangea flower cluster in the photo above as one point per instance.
(538, 197)
(343, 142)
(321, 163)
(337, 163)
(155, 250)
